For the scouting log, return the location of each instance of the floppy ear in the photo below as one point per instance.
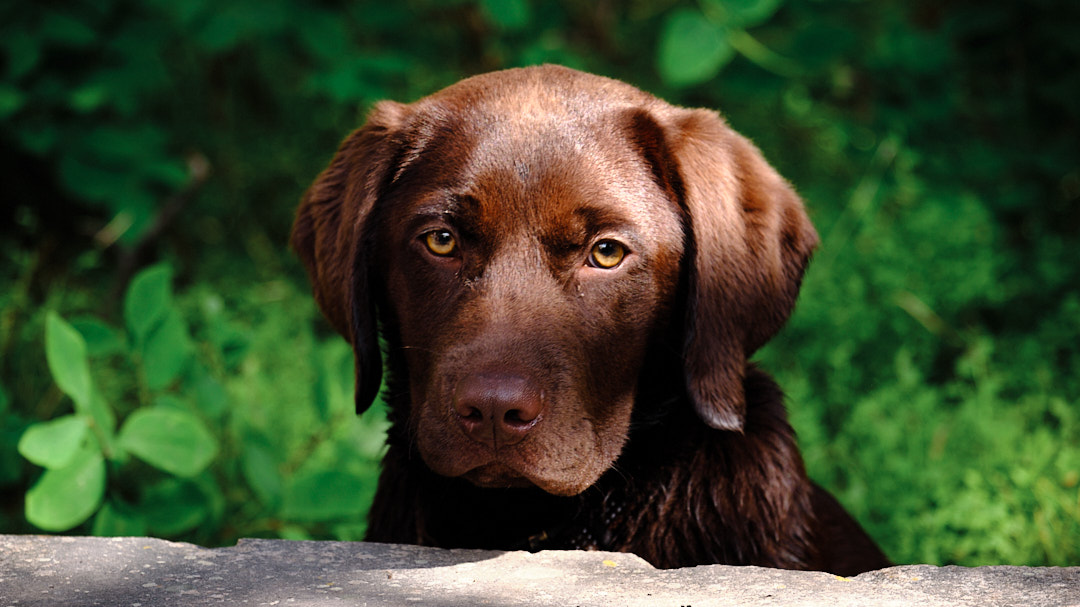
(750, 242)
(329, 234)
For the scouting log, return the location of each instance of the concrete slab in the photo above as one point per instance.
(143, 572)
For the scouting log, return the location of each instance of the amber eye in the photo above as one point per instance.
(607, 254)
(440, 242)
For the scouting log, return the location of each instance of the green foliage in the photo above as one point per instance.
(931, 363)
(65, 350)
(321, 495)
(696, 43)
(177, 427)
(692, 49)
(170, 439)
(64, 497)
(507, 14)
(53, 444)
(148, 302)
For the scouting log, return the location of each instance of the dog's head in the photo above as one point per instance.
(525, 235)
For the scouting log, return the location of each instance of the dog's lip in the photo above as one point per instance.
(497, 474)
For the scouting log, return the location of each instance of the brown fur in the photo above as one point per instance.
(538, 400)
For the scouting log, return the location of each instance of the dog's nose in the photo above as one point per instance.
(497, 409)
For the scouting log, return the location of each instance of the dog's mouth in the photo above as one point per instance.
(497, 475)
(561, 455)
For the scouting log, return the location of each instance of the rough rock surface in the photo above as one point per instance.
(142, 572)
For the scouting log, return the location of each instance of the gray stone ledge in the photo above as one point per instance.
(143, 572)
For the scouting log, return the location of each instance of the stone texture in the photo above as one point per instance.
(142, 572)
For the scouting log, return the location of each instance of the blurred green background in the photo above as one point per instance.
(164, 371)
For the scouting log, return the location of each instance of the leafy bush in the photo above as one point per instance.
(931, 363)
(180, 461)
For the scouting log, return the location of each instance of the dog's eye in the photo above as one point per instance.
(440, 242)
(607, 254)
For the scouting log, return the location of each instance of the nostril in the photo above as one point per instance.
(515, 417)
(495, 408)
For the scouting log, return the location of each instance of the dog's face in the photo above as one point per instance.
(525, 283)
(525, 234)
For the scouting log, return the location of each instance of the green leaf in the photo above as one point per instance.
(103, 422)
(223, 29)
(117, 520)
(148, 301)
(85, 176)
(88, 98)
(508, 14)
(166, 351)
(351, 531)
(11, 100)
(324, 495)
(169, 439)
(261, 471)
(747, 13)
(101, 339)
(172, 402)
(133, 146)
(65, 351)
(170, 172)
(54, 444)
(67, 30)
(323, 33)
(184, 13)
(23, 52)
(231, 340)
(295, 533)
(213, 498)
(209, 393)
(173, 506)
(65, 497)
(335, 380)
(692, 49)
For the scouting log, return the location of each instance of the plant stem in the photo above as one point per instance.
(762, 55)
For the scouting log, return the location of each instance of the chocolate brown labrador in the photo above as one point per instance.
(570, 276)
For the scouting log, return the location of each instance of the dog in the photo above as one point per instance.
(570, 276)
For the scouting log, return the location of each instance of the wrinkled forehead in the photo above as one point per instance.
(532, 161)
